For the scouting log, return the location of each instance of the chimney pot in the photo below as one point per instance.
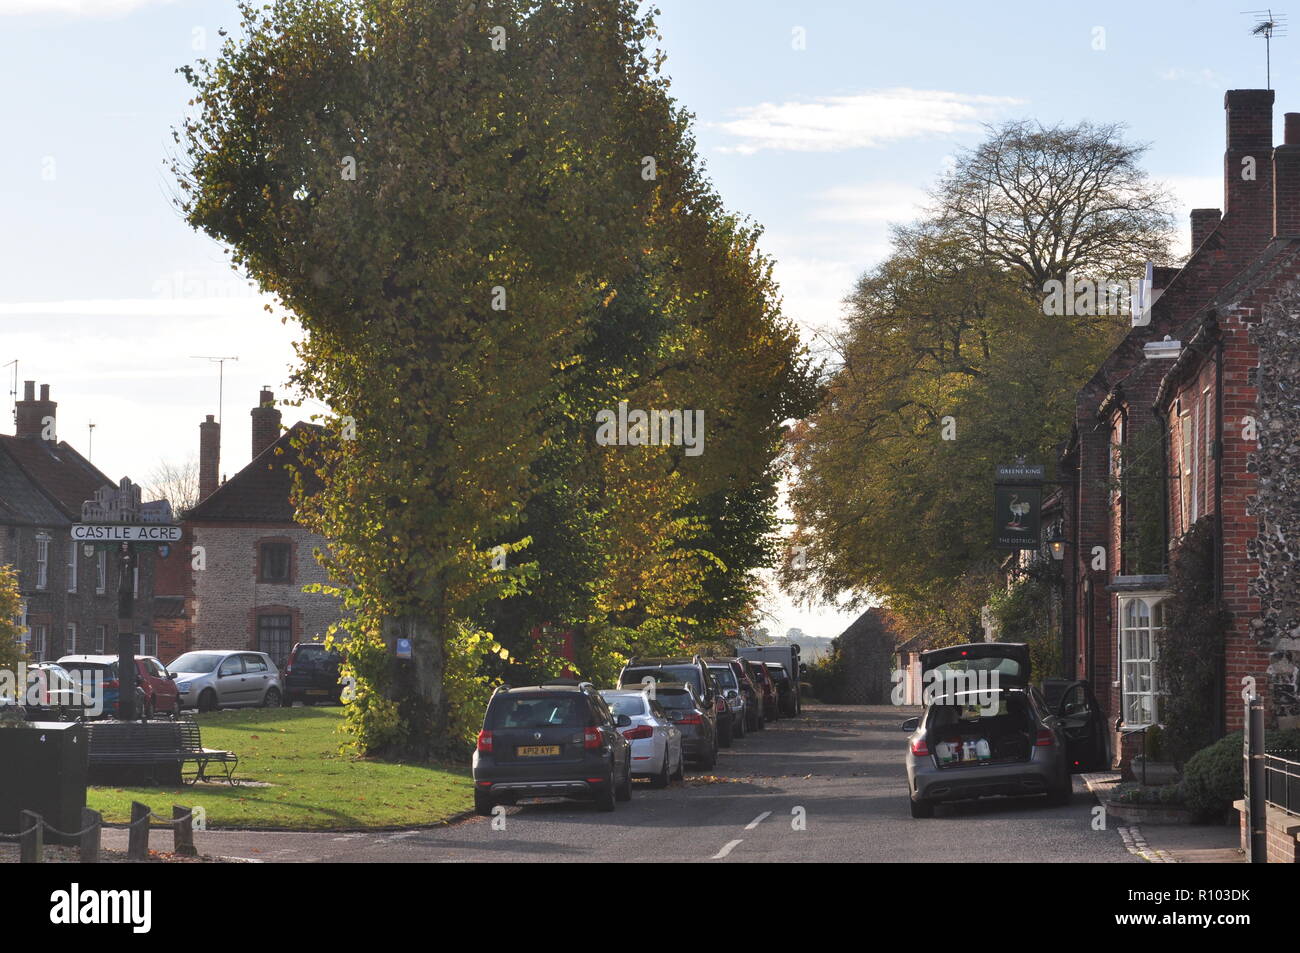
(266, 422)
(209, 456)
(33, 414)
(1247, 172)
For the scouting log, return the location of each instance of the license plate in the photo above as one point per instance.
(536, 751)
(316, 691)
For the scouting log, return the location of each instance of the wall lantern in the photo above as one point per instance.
(1056, 542)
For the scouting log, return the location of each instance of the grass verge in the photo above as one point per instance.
(311, 786)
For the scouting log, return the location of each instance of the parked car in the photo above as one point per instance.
(214, 678)
(755, 717)
(788, 658)
(997, 738)
(59, 695)
(692, 671)
(557, 739)
(786, 695)
(729, 686)
(656, 741)
(689, 713)
(766, 689)
(156, 687)
(311, 674)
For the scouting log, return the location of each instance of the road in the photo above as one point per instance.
(826, 787)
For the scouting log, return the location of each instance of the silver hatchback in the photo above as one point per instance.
(987, 732)
(211, 679)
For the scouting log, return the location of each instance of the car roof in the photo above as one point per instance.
(606, 692)
(576, 689)
(97, 659)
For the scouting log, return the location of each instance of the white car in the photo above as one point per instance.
(656, 741)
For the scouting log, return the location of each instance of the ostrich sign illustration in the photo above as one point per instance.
(1015, 516)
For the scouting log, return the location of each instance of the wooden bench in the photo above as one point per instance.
(159, 748)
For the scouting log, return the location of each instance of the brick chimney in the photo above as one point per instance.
(266, 422)
(209, 456)
(33, 414)
(1204, 221)
(1248, 171)
(1286, 181)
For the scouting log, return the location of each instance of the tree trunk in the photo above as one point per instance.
(418, 688)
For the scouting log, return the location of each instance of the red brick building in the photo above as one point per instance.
(250, 559)
(1191, 376)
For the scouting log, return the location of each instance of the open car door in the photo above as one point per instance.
(1086, 745)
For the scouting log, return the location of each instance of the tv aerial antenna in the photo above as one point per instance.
(221, 377)
(1268, 25)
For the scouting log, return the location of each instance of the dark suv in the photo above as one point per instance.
(311, 674)
(557, 739)
(692, 671)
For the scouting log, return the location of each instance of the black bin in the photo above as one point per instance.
(43, 769)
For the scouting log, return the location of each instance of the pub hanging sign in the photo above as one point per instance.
(1017, 499)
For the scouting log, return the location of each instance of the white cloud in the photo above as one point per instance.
(870, 204)
(76, 8)
(863, 120)
(1199, 77)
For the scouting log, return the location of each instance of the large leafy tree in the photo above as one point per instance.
(491, 223)
(949, 365)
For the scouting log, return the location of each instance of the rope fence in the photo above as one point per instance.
(31, 839)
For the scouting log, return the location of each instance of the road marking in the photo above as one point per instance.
(758, 820)
(727, 849)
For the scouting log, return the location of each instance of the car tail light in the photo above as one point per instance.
(591, 738)
(920, 749)
(641, 731)
(112, 683)
(485, 742)
(1045, 738)
(689, 719)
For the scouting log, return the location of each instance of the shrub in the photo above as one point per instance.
(1212, 778)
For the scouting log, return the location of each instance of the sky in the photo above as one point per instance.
(822, 121)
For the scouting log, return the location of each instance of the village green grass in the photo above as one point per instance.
(312, 786)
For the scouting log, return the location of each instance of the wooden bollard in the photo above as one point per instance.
(183, 831)
(91, 825)
(137, 844)
(32, 844)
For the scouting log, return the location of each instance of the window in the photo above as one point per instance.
(135, 582)
(273, 560)
(254, 663)
(42, 561)
(1185, 468)
(1194, 452)
(275, 637)
(231, 666)
(148, 643)
(38, 645)
(70, 639)
(101, 570)
(1208, 462)
(1141, 626)
(72, 565)
(101, 636)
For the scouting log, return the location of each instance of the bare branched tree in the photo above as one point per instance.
(177, 483)
(1047, 201)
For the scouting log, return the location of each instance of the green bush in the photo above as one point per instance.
(1165, 795)
(1212, 778)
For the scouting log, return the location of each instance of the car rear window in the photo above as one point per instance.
(675, 701)
(630, 705)
(778, 674)
(968, 710)
(724, 677)
(664, 673)
(540, 711)
(314, 652)
(109, 669)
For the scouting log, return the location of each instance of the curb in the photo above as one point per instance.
(1134, 842)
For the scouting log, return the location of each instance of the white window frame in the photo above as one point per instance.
(1184, 468)
(39, 639)
(72, 565)
(42, 560)
(70, 639)
(101, 571)
(101, 638)
(1132, 665)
